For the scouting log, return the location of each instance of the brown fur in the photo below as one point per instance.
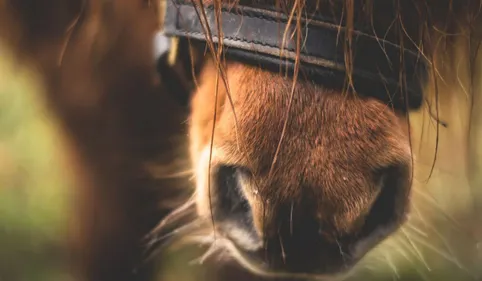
(334, 143)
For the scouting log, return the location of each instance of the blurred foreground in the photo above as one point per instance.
(33, 183)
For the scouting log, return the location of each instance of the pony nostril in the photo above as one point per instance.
(390, 207)
(230, 207)
(230, 202)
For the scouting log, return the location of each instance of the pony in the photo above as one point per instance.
(295, 177)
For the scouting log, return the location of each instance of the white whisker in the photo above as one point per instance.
(176, 214)
(419, 215)
(416, 229)
(215, 247)
(180, 231)
(406, 256)
(201, 239)
(283, 253)
(438, 251)
(181, 174)
(392, 266)
(441, 237)
(440, 210)
(291, 218)
(415, 249)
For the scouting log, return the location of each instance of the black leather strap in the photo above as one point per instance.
(255, 36)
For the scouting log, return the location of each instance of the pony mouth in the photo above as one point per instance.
(254, 264)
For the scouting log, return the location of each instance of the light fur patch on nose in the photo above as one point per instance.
(363, 246)
(243, 238)
(202, 186)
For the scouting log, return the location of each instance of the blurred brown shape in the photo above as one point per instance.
(96, 60)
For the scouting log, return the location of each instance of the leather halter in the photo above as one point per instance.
(255, 36)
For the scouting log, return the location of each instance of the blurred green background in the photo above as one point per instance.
(438, 243)
(33, 186)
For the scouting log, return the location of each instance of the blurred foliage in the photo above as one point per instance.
(33, 205)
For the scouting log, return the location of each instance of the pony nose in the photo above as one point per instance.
(294, 239)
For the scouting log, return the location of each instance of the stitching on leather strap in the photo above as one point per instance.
(259, 32)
